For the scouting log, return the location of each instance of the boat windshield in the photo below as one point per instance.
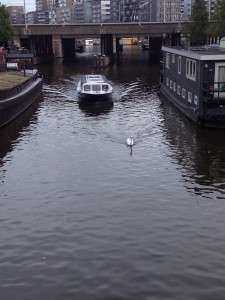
(87, 87)
(105, 87)
(96, 87)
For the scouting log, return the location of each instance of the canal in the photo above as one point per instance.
(85, 217)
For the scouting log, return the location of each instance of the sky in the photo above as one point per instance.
(30, 4)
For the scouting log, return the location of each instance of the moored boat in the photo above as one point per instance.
(94, 87)
(18, 90)
(194, 80)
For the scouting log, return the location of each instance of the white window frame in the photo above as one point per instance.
(191, 69)
(167, 60)
(189, 97)
(167, 81)
(171, 84)
(174, 86)
(178, 89)
(195, 100)
(173, 58)
(183, 93)
(179, 65)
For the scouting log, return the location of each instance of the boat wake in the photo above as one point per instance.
(56, 92)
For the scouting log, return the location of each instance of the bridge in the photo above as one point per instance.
(58, 40)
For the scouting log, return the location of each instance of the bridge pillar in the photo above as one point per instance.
(106, 44)
(57, 46)
(155, 48)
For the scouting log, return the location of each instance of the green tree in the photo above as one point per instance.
(218, 19)
(199, 23)
(6, 29)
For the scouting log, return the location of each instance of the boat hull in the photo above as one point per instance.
(95, 97)
(211, 117)
(13, 106)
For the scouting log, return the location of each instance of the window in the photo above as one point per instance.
(183, 93)
(167, 60)
(178, 90)
(191, 69)
(189, 97)
(173, 58)
(220, 76)
(167, 81)
(179, 65)
(196, 100)
(171, 84)
(174, 87)
(87, 88)
(105, 87)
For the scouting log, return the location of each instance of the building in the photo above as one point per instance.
(169, 11)
(82, 12)
(17, 15)
(100, 11)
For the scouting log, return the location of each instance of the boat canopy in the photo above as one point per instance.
(93, 79)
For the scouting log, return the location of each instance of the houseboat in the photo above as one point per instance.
(19, 87)
(94, 87)
(193, 79)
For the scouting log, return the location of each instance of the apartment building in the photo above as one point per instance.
(17, 15)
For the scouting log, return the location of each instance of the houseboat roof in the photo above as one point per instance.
(207, 52)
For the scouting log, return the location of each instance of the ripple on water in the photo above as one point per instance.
(83, 218)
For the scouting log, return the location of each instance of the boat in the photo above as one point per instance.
(19, 87)
(193, 79)
(145, 45)
(94, 87)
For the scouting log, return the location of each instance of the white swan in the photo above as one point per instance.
(130, 141)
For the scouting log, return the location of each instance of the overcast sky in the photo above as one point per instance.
(30, 4)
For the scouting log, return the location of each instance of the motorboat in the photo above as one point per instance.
(94, 87)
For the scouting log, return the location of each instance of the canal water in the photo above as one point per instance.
(85, 217)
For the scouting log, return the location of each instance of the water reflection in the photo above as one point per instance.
(95, 108)
(199, 152)
(9, 135)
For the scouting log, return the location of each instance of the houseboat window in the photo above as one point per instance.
(178, 89)
(179, 65)
(183, 93)
(87, 88)
(191, 69)
(171, 84)
(173, 58)
(167, 59)
(174, 87)
(196, 100)
(220, 76)
(167, 81)
(189, 97)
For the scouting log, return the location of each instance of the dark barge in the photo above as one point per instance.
(19, 87)
(193, 79)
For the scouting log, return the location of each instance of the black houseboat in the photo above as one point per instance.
(194, 80)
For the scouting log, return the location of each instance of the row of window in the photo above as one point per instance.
(181, 91)
(190, 65)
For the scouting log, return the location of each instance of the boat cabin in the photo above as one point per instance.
(94, 83)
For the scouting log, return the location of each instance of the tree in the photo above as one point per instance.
(199, 23)
(6, 29)
(218, 27)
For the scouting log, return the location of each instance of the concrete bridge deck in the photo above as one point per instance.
(118, 30)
